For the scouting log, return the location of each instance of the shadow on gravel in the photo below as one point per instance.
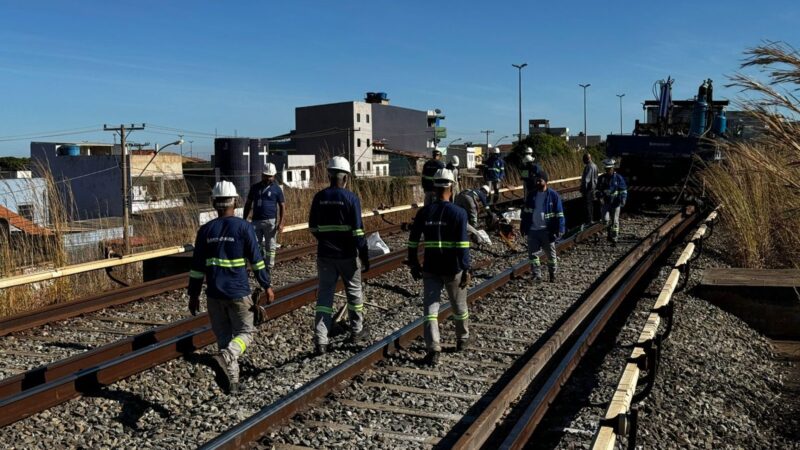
(133, 406)
(389, 287)
(68, 345)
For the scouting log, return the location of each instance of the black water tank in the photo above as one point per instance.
(232, 158)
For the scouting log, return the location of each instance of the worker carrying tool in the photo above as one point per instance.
(266, 201)
(428, 171)
(494, 170)
(335, 220)
(443, 226)
(613, 193)
(473, 201)
(222, 249)
(543, 222)
(589, 186)
(452, 165)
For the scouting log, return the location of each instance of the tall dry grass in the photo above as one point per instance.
(759, 180)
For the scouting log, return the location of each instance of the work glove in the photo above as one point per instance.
(365, 264)
(465, 279)
(416, 272)
(194, 305)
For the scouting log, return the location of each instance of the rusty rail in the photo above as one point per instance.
(50, 385)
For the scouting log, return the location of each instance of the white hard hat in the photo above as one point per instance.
(528, 159)
(443, 178)
(270, 170)
(609, 163)
(528, 151)
(486, 188)
(340, 164)
(436, 151)
(224, 189)
(497, 149)
(454, 160)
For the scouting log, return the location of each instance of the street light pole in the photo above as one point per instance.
(585, 136)
(519, 69)
(620, 111)
(498, 141)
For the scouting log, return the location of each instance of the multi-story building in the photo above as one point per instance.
(352, 129)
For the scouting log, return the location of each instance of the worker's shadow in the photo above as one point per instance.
(134, 406)
(390, 287)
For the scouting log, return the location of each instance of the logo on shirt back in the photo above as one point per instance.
(220, 239)
(331, 202)
(435, 223)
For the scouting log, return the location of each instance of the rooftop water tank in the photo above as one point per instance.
(69, 150)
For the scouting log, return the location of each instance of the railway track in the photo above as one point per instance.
(419, 405)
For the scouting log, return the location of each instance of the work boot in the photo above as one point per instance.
(552, 276)
(320, 349)
(222, 370)
(462, 344)
(358, 337)
(537, 276)
(431, 358)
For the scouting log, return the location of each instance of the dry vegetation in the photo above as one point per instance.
(759, 180)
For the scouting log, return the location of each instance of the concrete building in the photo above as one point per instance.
(542, 126)
(351, 129)
(293, 170)
(576, 142)
(26, 198)
(89, 179)
(466, 155)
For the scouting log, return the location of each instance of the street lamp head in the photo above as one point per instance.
(585, 85)
(620, 95)
(520, 66)
(178, 142)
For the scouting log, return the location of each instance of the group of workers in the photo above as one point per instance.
(225, 246)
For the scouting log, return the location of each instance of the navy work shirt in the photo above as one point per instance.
(265, 198)
(444, 227)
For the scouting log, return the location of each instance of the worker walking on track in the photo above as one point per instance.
(473, 201)
(528, 173)
(589, 186)
(543, 222)
(453, 166)
(494, 170)
(428, 171)
(613, 192)
(266, 201)
(335, 220)
(222, 250)
(443, 226)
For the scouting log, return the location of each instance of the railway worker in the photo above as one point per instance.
(543, 222)
(589, 185)
(266, 201)
(335, 220)
(528, 174)
(444, 228)
(494, 170)
(428, 171)
(222, 250)
(452, 165)
(473, 201)
(613, 192)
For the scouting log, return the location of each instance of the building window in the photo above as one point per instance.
(25, 211)
(359, 166)
(289, 176)
(358, 117)
(367, 142)
(303, 175)
(358, 142)
(385, 170)
(369, 166)
(367, 118)
(377, 171)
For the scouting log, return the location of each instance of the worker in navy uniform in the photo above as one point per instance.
(428, 171)
(613, 193)
(443, 227)
(528, 173)
(222, 250)
(473, 201)
(494, 170)
(266, 201)
(335, 220)
(589, 186)
(543, 222)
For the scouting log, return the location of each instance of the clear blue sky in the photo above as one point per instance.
(245, 66)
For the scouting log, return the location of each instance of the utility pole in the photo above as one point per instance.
(620, 111)
(585, 136)
(487, 133)
(519, 68)
(191, 149)
(125, 191)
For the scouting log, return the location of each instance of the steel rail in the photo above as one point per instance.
(55, 383)
(591, 317)
(287, 406)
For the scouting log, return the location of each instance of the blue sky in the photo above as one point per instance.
(244, 66)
